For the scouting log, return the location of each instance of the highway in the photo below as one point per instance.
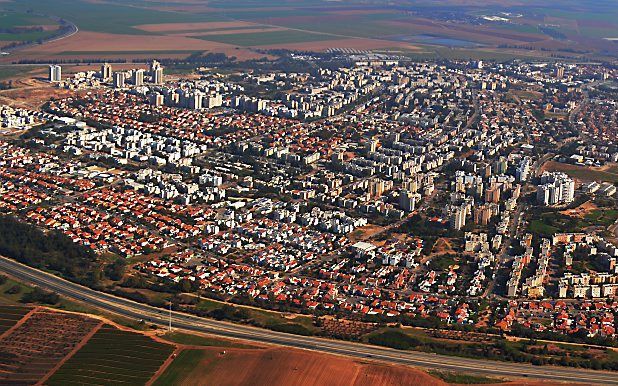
(153, 315)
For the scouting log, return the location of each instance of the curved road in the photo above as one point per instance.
(131, 309)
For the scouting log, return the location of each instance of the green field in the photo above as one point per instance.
(113, 356)
(541, 228)
(184, 363)
(221, 29)
(584, 173)
(116, 18)
(11, 20)
(548, 223)
(267, 38)
(26, 36)
(595, 11)
(368, 26)
(267, 14)
(18, 19)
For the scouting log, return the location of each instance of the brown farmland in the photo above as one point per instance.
(278, 366)
(90, 45)
(39, 342)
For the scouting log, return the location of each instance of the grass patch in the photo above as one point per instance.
(602, 217)
(272, 320)
(442, 262)
(549, 223)
(17, 19)
(394, 339)
(198, 340)
(14, 299)
(12, 291)
(541, 228)
(184, 364)
(291, 328)
(7, 72)
(24, 26)
(461, 378)
(583, 173)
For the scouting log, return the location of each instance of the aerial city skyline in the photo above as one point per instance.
(301, 193)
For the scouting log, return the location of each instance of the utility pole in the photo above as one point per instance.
(170, 320)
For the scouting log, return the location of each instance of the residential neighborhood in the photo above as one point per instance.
(384, 190)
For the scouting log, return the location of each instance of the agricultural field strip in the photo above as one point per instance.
(29, 356)
(114, 355)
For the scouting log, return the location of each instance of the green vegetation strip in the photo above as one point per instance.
(268, 38)
(464, 379)
(197, 340)
(221, 29)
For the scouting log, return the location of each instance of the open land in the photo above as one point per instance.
(282, 366)
(584, 173)
(236, 29)
(94, 350)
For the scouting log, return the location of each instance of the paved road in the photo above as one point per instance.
(130, 309)
(72, 31)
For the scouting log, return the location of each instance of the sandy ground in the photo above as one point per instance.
(442, 246)
(581, 210)
(31, 94)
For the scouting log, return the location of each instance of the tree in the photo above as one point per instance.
(116, 270)
(53, 250)
(40, 296)
(15, 289)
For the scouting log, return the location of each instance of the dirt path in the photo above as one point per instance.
(19, 323)
(77, 347)
(165, 365)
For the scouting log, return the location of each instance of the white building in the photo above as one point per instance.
(55, 73)
(555, 188)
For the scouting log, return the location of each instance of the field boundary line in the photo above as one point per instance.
(19, 323)
(165, 365)
(77, 347)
